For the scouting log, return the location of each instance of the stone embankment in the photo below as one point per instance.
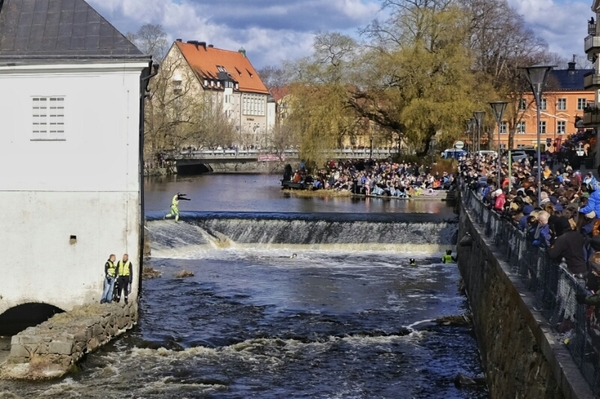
(52, 349)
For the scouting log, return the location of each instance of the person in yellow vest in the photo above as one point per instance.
(110, 275)
(175, 206)
(124, 277)
(448, 258)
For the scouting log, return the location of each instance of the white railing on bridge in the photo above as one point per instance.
(291, 153)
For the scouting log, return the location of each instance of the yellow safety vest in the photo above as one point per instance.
(447, 258)
(175, 200)
(111, 268)
(124, 268)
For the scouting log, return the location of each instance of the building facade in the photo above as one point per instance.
(563, 102)
(231, 81)
(70, 134)
(591, 46)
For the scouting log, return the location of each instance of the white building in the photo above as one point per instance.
(70, 185)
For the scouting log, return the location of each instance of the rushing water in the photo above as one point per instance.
(340, 320)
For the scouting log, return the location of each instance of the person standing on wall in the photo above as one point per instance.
(124, 277)
(175, 206)
(110, 273)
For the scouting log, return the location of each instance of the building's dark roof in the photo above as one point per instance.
(569, 79)
(59, 29)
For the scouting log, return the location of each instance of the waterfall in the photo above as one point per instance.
(391, 232)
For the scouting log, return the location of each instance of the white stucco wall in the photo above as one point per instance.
(87, 185)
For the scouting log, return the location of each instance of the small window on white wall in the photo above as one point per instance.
(48, 118)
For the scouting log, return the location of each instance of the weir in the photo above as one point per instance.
(399, 232)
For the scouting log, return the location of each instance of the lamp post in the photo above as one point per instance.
(472, 126)
(467, 133)
(537, 76)
(499, 107)
(479, 115)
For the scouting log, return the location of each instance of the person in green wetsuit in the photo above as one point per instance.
(448, 258)
(174, 206)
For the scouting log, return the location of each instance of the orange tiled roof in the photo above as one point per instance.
(279, 93)
(204, 61)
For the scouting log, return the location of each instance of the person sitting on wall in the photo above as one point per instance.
(174, 206)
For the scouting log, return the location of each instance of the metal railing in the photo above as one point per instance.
(220, 154)
(552, 286)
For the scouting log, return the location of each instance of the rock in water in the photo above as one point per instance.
(184, 273)
(462, 380)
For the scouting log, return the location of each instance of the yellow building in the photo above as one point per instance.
(563, 101)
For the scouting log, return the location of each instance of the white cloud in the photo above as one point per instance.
(563, 24)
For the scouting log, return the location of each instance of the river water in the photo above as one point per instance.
(347, 317)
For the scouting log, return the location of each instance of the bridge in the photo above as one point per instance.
(193, 162)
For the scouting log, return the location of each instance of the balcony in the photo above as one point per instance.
(592, 28)
(591, 81)
(592, 44)
(591, 115)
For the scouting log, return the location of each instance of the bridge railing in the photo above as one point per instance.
(553, 287)
(291, 153)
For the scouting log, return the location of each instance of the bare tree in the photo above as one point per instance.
(151, 39)
(273, 76)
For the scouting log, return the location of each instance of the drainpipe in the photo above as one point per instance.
(145, 77)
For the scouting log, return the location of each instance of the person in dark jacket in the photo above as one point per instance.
(569, 244)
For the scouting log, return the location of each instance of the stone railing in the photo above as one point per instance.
(52, 348)
(552, 286)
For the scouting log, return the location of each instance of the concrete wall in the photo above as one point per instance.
(521, 356)
(86, 185)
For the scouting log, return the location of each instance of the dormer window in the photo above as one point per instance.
(218, 83)
(237, 86)
(212, 83)
(221, 68)
(249, 73)
(205, 82)
(238, 71)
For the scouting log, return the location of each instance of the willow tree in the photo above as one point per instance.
(418, 78)
(320, 113)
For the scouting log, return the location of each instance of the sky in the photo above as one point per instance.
(272, 31)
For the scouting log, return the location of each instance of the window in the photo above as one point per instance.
(521, 126)
(503, 146)
(561, 127)
(543, 104)
(48, 118)
(581, 103)
(561, 105)
(522, 104)
(253, 104)
(543, 127)
(503, 127)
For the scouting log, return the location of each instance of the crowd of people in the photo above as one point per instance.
(375, 178)
(564, 220)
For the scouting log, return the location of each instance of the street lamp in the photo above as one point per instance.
(479, 115)
(468, 132)
(472, 126)
(499, 107)
(537, 76)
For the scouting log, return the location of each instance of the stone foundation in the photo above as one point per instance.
(52, 349)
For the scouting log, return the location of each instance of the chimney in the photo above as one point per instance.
(210, 46)
(203, 44)
(178, 40)
(572, 64)
(242, 51)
